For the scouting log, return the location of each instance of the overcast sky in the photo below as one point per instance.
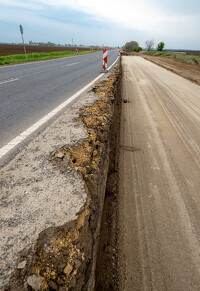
(108, 22)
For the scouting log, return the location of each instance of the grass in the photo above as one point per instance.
(16, 59)
(189, 59)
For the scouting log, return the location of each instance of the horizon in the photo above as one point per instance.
(81, 45)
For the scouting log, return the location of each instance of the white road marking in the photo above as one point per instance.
(68, 65)
(13, 143)
(39, 72)
(8, 81)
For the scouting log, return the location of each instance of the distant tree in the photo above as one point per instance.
(160, 46)
(149, 44)
(49, 43)
(131, 45)
(138, 49)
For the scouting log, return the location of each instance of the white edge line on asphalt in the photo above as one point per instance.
(8, 81)
(13, 143)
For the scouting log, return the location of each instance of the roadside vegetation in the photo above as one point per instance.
(132, 46)
(160, 46)
(16, 59)
(183, 57)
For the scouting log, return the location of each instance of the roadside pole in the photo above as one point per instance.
(77, 51)
(22, 31)
(119, 52)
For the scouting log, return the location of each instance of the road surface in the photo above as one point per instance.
(30, 91)
(159, 199)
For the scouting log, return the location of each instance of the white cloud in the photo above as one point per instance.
(134, 14)
(117, 20)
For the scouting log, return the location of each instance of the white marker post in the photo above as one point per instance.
(22, 31)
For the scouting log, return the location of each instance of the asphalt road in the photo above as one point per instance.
(159, 201)
(30, 91)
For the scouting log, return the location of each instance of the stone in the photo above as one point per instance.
(68, 269)
(60, 156)
(21, 265)
(34, 282)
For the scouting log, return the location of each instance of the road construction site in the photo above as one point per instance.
(107, 197)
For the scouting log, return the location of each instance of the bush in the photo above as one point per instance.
(138, 49)
(130, 46)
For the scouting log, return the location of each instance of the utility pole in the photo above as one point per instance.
(22, 31)
(72, 41)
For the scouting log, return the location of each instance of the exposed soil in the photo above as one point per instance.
(190, 72)
(10, 49)
(107, 257)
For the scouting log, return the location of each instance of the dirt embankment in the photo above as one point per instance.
(107, 257)
(190, 72)
(64, 258)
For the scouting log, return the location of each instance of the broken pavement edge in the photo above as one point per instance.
(64, 257)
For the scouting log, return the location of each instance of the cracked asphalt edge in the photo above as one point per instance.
(52, 198)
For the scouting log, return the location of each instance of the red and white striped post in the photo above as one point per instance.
(119, 51)
(77, 51)
(105, 59)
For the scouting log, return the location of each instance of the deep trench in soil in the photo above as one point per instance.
(106, 277)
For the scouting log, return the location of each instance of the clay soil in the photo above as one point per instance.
(10, 49)
(107, 256)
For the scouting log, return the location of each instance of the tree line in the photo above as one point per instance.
(134, 46)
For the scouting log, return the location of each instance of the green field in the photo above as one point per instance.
(16, 59)
(189, 59)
